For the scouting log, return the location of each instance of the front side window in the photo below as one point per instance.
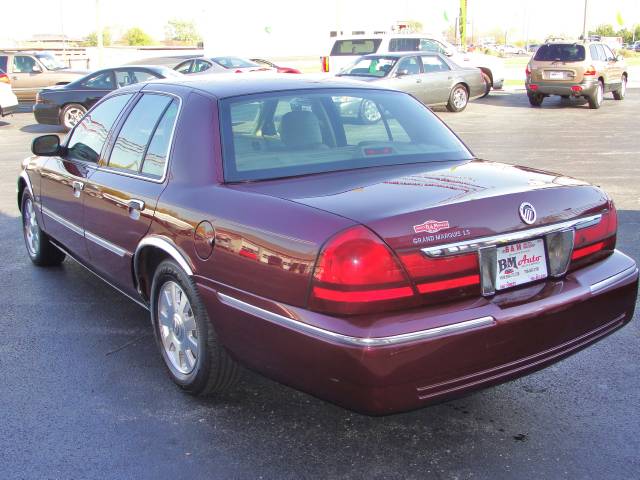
(409, 66)
(23, 64)
(370, 67)
(89, 136)
(101, 81)
(608, 53)
(184, 67)
(131, 142)
(129, 77)
(299, 133)
(50, 62)
(200, 66)
(234, 62)
(428, 45)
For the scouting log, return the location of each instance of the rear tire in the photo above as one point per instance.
(39, 248)
(595, 100)
(71, 114)
(458, 98)
(535, 99)
(487, 84)
(189, 346)
(620, 92)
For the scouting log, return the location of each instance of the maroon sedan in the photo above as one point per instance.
(379, 265)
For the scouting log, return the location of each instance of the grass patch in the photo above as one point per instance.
(511, 82)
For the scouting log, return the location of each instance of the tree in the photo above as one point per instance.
(92, 39)
(136, 36)
(604, 30)
(182, 31)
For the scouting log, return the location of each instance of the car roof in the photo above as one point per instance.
(403, 54)
(235, 84)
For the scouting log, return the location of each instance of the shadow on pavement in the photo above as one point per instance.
(39, 128)
(518, 99)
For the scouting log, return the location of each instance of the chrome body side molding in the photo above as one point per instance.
(63, 221)
(121, 252)
(350, 340)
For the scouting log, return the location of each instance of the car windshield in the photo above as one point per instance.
(234, 62)
(294, 133)
(560, 52)
(50, 62)
(370, 67)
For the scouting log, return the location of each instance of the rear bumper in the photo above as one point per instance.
(47, 113)
(553, 88)
(403, 361)
(8, 109)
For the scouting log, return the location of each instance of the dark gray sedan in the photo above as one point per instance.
(430, 77)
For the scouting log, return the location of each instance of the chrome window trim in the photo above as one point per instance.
(348, 339)
(618, 277)
(478, 243)
(63, 221)
(121, 252)
(147, 178)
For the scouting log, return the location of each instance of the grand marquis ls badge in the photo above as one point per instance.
(527, 213)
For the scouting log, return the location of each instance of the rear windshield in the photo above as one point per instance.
(361, 46)
(294, 133)
(569, 52)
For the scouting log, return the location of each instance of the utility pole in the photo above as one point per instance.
(99, 38)
(584, 23)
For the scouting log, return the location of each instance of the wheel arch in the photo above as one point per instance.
(24, 183)
(149, 253)
(488, 72)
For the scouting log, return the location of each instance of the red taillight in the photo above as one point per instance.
(357, 273)
(533, 87)
(238, 71)
(325, 63)
(4, 78)
(527, 71)
(576, 88)
(458, 274)
(594, 242)
(590, 71)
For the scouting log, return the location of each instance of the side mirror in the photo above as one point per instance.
(36, 68)
(450, 52)
(46, 146)
(402, 73)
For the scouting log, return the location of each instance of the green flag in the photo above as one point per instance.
(619, 18)
(446, 17)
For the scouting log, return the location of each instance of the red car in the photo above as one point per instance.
(380, 266)
(279, 68)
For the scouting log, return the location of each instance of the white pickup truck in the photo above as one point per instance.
(346, 49)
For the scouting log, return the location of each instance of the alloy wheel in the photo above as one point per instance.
(72, 116)
(178, 328)
(31, 229)
(459, 98)
(370, 112)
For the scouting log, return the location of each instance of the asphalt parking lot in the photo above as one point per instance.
(83, 392)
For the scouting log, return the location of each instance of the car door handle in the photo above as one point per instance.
(77, 188)
(135, 204)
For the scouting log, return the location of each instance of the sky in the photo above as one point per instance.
(311, 19)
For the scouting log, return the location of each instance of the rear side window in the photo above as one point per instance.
(3, 62)
(560, 52)
(90, 134)
(129, 77)
(404, 44)
(102, 81)
(156, 156)
(361, 46)
(433, 63)
(132, 140)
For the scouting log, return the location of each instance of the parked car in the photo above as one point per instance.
(379, 266)
(8, 100)
(278, 68)
(66, 104)
(346, 49)
(533, 47)
(430, 77)
(510, 50)
(636, 47)
(30, 72)
(575, 69)
(219, 65)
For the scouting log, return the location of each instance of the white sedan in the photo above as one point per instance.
(8, 100)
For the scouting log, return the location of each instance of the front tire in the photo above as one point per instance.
(195, 359)
(39, 248)
(595, 100)
(458, 98)
(620, 92)
(71, 115)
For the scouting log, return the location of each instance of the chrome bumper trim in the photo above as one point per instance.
(618, 277)
(478, 243)
(350, 340)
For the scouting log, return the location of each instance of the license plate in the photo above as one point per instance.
(556, 75)
(520, 263)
